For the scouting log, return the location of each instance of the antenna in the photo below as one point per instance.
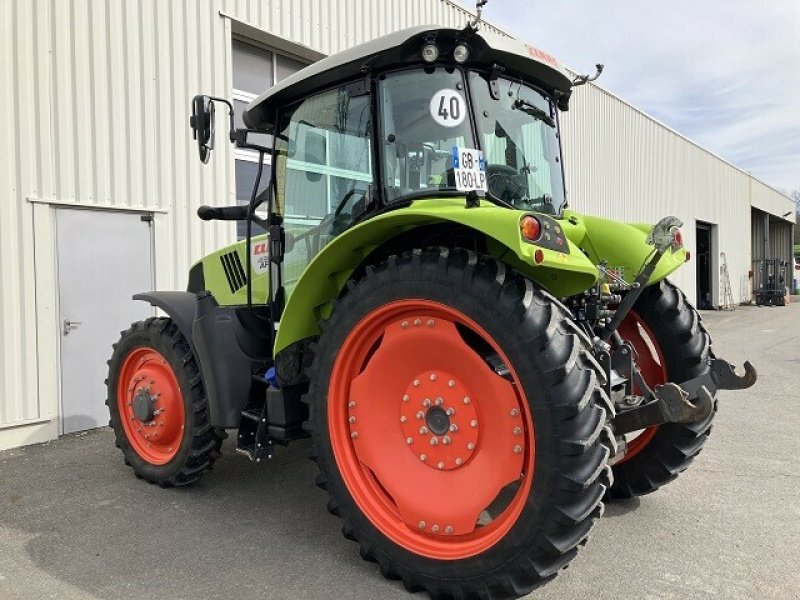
(476, 22)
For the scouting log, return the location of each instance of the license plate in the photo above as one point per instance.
(470, 170)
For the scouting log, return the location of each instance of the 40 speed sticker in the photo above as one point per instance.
(448, 108)
(470, 169)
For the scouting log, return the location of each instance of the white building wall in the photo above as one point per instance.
(94, 102)
(623, 164)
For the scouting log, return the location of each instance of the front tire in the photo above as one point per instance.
(158, 406)
(513, 483)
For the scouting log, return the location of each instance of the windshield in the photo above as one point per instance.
(424, 114)
(520, 143)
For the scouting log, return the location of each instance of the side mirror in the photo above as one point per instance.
(202, 124)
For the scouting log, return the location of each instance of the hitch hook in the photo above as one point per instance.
(726, 378)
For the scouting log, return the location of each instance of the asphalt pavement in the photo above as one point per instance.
(76, 523)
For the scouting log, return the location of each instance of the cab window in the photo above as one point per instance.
(424, 116)
(323, 171)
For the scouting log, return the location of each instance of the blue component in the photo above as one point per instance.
(455, 157)
(272, 378)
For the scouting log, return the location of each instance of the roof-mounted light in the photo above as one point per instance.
(461, 53)
(430, 52)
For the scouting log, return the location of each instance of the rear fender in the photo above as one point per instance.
(561, 273)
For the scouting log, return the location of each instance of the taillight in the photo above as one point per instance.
(530, 228)
(677, 237)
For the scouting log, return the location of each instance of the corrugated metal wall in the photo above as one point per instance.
(624, 165)
(94, 100)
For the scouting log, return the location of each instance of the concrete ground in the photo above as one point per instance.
(76, 523)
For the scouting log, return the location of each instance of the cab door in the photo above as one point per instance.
(323, 171)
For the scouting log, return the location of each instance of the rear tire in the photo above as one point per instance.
(561, 392)
(173, 443)
(685, 346)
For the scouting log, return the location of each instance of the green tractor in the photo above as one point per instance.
(478, 366)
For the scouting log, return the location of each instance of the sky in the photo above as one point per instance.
(724, 73)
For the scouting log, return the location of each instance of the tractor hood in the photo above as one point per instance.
(404, 48)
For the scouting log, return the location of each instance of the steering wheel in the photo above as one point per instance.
(506, 182)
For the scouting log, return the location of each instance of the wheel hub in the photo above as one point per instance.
(144, 408)
(439, 420)
(150, 405)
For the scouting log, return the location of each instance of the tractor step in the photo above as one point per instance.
(272, 415)
(254, 440)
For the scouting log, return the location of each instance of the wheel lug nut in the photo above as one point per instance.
(420, 415)
(430, 323)
(517, 449)
(409, 440)
(458, 461)
(514, 412)
(450, 411)
(471, 446)
(404, 324)
(435, 529)
(432, 377)
(434, 441)
(446, 439)
(423, 430)
(439, 401)
(417, 322)
(473, 423)
(416, 383)
(453, 427)
(351, 404)
(466, 400)
(448, 530)
(354, 435)
(451, 383)
(440, 465)
(423, 457)
(405, 398)
(403, 419)
(422, 524)
(352, 420)
(517, 431)
(426, 403)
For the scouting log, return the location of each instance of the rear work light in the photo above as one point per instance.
(677, 238)
(530, 228)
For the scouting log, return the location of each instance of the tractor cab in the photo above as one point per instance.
(422, 114)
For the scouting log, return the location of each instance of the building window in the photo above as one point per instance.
(255, 70)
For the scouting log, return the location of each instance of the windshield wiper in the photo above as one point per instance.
(534, 111)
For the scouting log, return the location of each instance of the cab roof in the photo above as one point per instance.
(404, 48)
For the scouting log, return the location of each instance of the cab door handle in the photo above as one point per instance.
(70, 325)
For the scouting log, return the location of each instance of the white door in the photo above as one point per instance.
(104, 258)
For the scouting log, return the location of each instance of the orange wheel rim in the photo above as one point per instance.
(150, 405)
(435, 447)
(652, 366)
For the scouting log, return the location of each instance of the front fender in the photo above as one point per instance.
(323, 279)
(180, 306)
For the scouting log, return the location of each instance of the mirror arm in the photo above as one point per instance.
(230, 110)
